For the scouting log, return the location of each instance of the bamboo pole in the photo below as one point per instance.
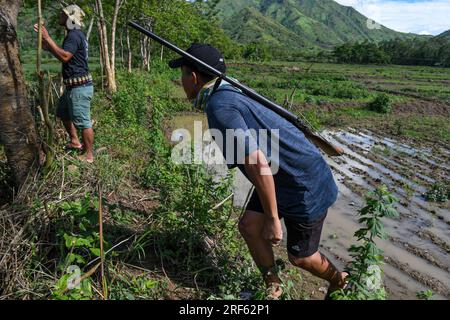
(102, 252)
(39, 47)
(43, 95)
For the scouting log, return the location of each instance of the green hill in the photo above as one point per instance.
(298, 23)
(445, 34)
(250, 25)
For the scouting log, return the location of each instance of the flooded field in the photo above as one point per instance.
(417, 250)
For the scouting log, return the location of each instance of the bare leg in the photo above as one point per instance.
(321, 267)
(88, 140)
(250, 227)
(72, 131)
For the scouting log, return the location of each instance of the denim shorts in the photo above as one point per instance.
(75, 105)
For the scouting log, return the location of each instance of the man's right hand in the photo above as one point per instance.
(272, 230)
(45, 36)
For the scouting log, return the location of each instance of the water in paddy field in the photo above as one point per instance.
(417, 252)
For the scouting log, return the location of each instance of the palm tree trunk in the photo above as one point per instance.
(17, 128)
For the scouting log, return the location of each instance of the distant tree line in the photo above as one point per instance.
(428, 52)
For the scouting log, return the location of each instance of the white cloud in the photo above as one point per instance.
(418, 16)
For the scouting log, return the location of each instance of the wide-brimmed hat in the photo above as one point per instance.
(75, 16)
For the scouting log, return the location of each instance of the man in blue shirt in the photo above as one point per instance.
(291, 178)
(74, 106)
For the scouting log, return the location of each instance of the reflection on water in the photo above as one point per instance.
(241, 185)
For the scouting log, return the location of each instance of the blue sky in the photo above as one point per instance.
(417, 16)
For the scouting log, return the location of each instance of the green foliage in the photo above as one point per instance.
(188, 195)
(333, 88)
(257, 52)
(415, 51)
(364, 281)
(381, 104)
(130, 287)
(425, 295)
(186, 221)
(438, 192)
(130, 101)
(79, 244)
(363, 53)
(81, 292)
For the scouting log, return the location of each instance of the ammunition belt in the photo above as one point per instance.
(78, 81)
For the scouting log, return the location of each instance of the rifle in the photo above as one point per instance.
(309, 133)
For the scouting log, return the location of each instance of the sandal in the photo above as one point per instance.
(274, 291)
(346, 287)
(270, 276)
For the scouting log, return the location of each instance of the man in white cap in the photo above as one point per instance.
(74, 106)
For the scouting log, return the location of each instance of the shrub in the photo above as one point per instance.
(439, 192)
(381, 104)
(364, 280)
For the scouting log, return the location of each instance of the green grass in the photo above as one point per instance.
(339, 94)
(167, 232)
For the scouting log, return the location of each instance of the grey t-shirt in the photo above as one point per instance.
(304, 183)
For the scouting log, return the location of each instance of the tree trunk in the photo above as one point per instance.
(149, 56)
(103, 34)
(17, 127)
(144, 51)
(129, 50)
(102, 58)
(146, 45)
(89, 31)
(122, 59)
(117, 5)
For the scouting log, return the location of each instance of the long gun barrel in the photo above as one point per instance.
(314, 137)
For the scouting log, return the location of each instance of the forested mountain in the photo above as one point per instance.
(299, 23)
(445, 34)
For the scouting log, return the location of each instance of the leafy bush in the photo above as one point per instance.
(425, 295)
(334, 88)
(381, 104)
(439, 192)
(130, 101)
(79, 243)
(364, 280)
(198, 235)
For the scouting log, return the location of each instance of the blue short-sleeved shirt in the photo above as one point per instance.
(75, 42)
(304, 184)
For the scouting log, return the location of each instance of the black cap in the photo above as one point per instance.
(205, 53)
